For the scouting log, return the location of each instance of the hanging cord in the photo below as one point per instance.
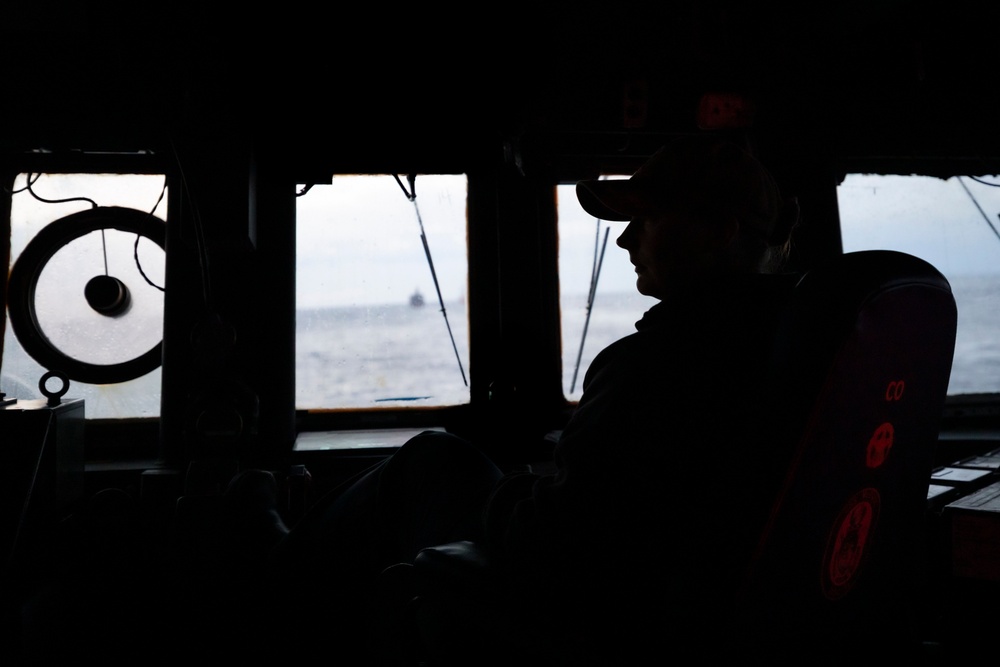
(981, 211)
(104, 249)
(30, 498)
(411, 194)
(93, 204)
(201, 244)
(33, 178)
(595, 273)
(135, 248)
(27, 187)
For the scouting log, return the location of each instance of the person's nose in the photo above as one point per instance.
(627, 238)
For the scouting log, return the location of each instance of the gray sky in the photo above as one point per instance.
(343, 226)
(931, 218)
(359, 240)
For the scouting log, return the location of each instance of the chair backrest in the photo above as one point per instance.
(862, 364)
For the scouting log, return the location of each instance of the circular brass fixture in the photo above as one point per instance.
(105, 294)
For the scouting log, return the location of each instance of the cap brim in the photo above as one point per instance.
(609, 200)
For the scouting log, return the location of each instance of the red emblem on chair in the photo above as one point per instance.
(847, 544)
(879, 445)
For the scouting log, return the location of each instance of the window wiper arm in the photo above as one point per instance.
(974, 201)
(594, 275)
(411, 194)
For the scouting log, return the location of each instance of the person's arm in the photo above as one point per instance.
(533, 521)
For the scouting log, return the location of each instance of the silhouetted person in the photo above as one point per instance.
(658, 492)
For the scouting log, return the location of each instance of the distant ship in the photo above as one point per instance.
(416, 299)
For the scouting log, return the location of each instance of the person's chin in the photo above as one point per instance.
(645, 288)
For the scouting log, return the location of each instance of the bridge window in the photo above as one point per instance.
(955, 225)
(592, 318)
(90, 333)
(381, 277)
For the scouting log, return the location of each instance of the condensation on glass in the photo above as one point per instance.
(381, 283)
(64, 315)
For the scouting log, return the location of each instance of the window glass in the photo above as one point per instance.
(955, 225)
(65, 317)
(381, 281)
(598, 299)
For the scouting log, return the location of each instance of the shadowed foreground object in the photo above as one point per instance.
(860, 367)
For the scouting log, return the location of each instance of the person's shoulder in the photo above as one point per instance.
(657, 314)
(763, 292)
(786, 280)
(776, 283)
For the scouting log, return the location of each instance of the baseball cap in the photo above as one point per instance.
(695, 173)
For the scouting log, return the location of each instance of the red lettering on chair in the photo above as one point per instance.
(849, 535)
(879, 445)
(894, 391)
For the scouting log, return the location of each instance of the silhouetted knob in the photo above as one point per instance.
(107, 295)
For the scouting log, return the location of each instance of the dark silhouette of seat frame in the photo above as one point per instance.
(862, 366)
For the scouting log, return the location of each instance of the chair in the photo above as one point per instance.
(861, 365)
(862, 368)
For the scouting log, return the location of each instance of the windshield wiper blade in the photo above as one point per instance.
(411, 194)
(594, 275)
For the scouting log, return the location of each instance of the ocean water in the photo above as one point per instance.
(976, 366)
(399, 356)
(381, 356)
(406, 353)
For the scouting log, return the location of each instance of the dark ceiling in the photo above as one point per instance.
(892, 76)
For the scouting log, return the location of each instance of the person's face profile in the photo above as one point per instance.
(660, 245)
(666, 245)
